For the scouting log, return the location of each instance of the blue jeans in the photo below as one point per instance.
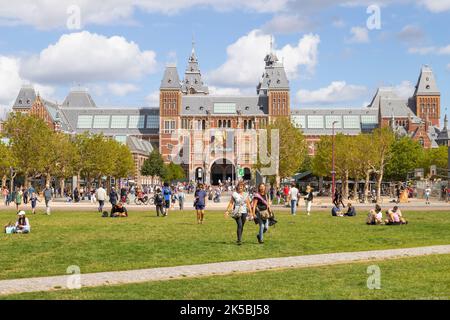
(263, 227)
(293, 206)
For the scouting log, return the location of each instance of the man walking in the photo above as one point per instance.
(48, 194)
(113, 197)
(427, 195)
(167, 194)
(293, 196)
(181, 197)
(101, 197)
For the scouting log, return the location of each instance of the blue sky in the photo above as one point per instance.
(120, 50)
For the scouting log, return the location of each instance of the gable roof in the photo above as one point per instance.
(25, 98)
(426, 84)
(79, 98)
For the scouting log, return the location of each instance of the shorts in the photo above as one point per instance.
(167, 204)
(200, 207)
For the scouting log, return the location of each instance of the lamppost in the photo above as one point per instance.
(333, 172)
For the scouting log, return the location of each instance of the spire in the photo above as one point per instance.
(445, 122)
(393, 120)
(193, 57)
(271, 44)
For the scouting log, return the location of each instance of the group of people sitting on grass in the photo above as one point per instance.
(22, 224)
(393, 216)
(336, 211)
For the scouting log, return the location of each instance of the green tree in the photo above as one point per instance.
(381, 145)
(7, 161)
(124, 162)
(437, 157)
(173, 172)
(407, 155)
(292, 147)
(154, 165)
(29, 139)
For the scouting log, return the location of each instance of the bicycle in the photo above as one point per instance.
(142, 201)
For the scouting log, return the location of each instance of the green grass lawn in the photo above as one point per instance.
(411, 278)
(98, 244)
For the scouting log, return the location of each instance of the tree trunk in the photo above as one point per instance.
(4, 178)
(11, 182)
(366, 186)
(48, 180)
(78, 181)
(379, 180)
(62, 185)
(355, 189)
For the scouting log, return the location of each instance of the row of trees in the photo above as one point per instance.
(154, 166)
(381, 154)
(34, 150)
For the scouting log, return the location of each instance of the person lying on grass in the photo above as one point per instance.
(394, 217)
(119, 211)
(375, 216)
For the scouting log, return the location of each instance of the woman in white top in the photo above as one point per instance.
(22, 224)
(240, 202)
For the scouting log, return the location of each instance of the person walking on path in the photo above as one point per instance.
(48, 195)
(261, 207)
(293, 196)
(181, 198)
(101, 197)
(19, 198)
(200, 203)
(5, 193)
(240, 202)
(427, 195)
(33, 201)
(113, 196)
(159, 202)
(309, 199)
(167, 194)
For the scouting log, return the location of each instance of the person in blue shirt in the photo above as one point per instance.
(34, 201)
(200, 203)
(167, 194)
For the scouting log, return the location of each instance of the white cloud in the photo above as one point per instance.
(11, 82)
(287, 23)
(216, 91)
(122, 89)
(245, 59)
(9, 79)
(152, 99)
(338, 23)
(86, 57)
(411, 34)
(337, 92)
(430, 50)
(48, 14)
(436, 6)
(405, 89)
(359, 35)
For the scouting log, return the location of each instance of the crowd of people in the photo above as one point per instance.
(246, 203)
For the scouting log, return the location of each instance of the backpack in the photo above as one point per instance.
(158, 199)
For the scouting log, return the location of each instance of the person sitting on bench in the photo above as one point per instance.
(119, 211)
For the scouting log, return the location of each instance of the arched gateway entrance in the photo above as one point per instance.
(222, 170)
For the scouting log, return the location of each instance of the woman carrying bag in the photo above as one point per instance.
(240, 203)
(260, 205)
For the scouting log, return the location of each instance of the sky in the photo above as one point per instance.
(336, 53)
